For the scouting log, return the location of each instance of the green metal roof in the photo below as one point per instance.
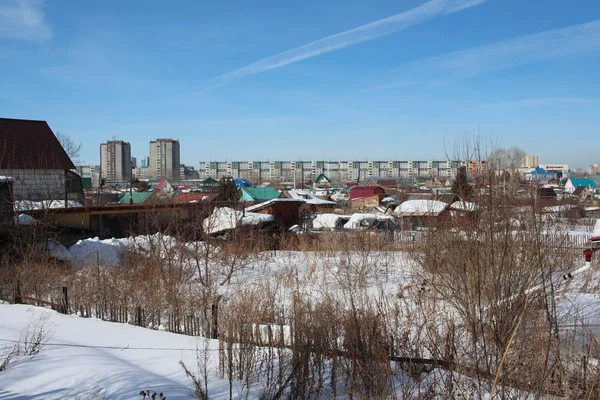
(321, 178)
(210, 181)
(138, 197)
(587, 182)
(259, 194)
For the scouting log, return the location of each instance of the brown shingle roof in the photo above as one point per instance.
(28, 144)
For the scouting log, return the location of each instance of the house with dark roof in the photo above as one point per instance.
(31, 154)
(584, 193)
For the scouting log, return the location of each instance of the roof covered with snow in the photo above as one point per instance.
(464, 206)
(329, 221)
(224, 218)
(364, 220)
(309, 197)
(265, 204)
(420, 208)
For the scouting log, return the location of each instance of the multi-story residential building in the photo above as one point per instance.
(336, 171)
(142, 173)
(145, 162)
(476, 167)
(115, 161)
(593, 169)
(164, 159)
(90, 171)
(530, 162)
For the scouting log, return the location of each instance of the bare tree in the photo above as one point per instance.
(72, 148)
(506, 159)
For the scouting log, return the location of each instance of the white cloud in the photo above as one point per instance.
(373, 30)
(24, 19)
(464, 64)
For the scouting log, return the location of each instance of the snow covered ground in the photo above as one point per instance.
(92, 359)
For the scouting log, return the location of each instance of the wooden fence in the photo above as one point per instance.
(409, 239)
(186, 321)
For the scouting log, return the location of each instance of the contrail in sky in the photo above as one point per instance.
(468, 63)
(373, 30)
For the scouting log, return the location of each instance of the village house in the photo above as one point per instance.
(539, 176)
(366, 196)
(421, 214)
(258, 194)
(571, 184)
(33, 157)
(285, 211)
(321, 182)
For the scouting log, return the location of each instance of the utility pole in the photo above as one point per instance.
(130, 181)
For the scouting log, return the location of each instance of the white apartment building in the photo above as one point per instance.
(530, 162)
(141, 173)
(593, 169)
(164, 159)
(115, 161)
(337, 171)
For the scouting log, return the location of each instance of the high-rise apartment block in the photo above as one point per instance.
(530, 162)
(337, 171)
(164, 159)
(115, 161)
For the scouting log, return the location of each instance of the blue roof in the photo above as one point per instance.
(241, 182)
(540, 171)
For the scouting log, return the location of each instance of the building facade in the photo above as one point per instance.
(145, 162)
(141, 173)
(164, 159)
(91, 172)
(593, 169)
(336, 171)
(530, 162)
(115, 161)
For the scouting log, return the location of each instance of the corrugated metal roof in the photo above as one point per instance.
(29, 144)
(259, 194)
(138, 197)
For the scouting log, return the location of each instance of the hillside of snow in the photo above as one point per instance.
(91, 359)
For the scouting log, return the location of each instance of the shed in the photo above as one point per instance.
(366, 191)
(419, 214)
(285, 211)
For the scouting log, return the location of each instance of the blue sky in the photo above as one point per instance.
(334, 80)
